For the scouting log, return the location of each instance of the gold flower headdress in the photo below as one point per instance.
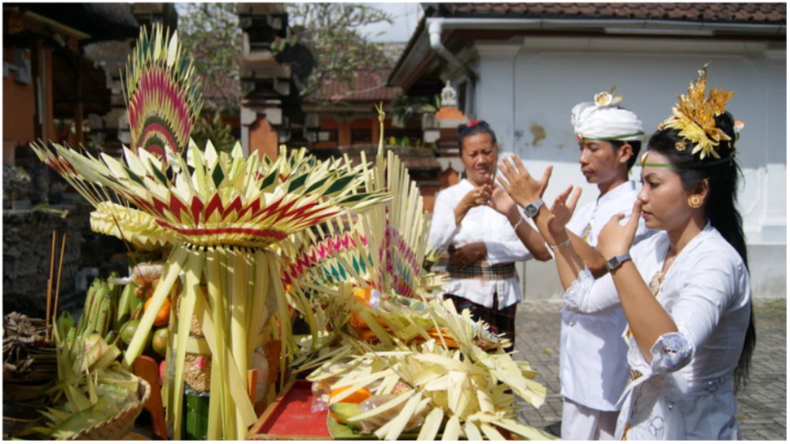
(694, 116)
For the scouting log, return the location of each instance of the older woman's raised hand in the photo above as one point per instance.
(519, 184)
(478, 196)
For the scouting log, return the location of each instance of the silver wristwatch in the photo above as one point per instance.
(531, 210)
(616, 261)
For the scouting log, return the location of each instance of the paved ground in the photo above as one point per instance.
(762, 406)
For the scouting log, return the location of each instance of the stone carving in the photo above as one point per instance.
(449, 96)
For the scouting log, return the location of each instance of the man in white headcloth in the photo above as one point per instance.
(593, 364)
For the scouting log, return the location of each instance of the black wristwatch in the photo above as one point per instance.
(616, 261)
(531, 210)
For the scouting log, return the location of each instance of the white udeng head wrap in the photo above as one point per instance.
(602, 120)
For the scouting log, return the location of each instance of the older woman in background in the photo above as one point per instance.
(482, 229)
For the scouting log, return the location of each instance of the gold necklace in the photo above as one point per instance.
(658, 278)
(655, 283)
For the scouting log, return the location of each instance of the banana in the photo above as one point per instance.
(113, 294)
(101, 318)
(101, 293)
(82, 325)
(96, 310)
(124, 305)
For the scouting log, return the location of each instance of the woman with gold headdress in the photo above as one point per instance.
(686, 293)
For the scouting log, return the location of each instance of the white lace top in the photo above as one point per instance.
(685, 392)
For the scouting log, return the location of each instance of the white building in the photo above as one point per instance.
(522, 67)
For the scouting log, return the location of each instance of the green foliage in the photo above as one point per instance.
(216, 130)
(403, 107)
(210, 33)
(332, 31)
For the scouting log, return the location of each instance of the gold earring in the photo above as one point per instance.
(695, 201)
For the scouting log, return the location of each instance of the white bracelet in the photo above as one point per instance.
(520, 221)
(561, 244)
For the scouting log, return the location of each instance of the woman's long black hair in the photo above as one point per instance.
(720, 206)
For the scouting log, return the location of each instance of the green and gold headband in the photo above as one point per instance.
(719, 161)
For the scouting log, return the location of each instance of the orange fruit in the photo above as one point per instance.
(363, 295)
(163, 317)
(367, 335)
(354, 398)
(356, 320)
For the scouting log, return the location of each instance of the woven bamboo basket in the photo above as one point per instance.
(119, 425)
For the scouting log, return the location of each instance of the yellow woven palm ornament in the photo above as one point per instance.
(695, 117)
(225, 216)
(377, 324)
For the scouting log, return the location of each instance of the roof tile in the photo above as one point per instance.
(519, 8)
(775, 13)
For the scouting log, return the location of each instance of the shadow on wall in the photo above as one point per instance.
(535, 123)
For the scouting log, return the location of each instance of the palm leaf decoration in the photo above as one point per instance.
(162, 93)
(224, 215)
(375, 323)
(385, 247)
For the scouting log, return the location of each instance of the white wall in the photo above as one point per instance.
(530, 87)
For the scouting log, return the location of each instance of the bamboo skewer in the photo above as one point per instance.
(60, 271)
(49, 281)
(49, 299)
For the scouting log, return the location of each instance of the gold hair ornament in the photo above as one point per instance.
(694, 116)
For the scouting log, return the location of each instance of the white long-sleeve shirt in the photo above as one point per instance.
(481, 224)
(593, 371)
(686, 391)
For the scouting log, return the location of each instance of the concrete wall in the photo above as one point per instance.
(527, 90)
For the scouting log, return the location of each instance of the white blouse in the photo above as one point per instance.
(686, 391)
(481, 224)
(593, 371)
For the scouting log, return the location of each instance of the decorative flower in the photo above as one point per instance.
(603, 99)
